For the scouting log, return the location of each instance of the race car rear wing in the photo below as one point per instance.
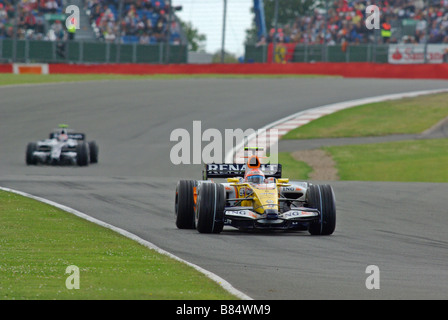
(70, 135)
(77, 136)
(229, 170)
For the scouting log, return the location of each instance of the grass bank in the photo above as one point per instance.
(38, 242)
(405, 161)
(293, 169)
(404, 116)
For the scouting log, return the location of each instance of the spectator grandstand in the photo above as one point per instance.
(146, 22)
(402, 21)
(142, 21)
(31, 22)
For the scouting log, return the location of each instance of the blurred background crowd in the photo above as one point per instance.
(334, 22)
(143, 21)
(146, 21)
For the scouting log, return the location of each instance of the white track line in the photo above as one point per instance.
(301, 118)
(223, 283)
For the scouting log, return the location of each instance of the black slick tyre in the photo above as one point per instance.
(185, 204)
(321, 197)
(30, 159)
(210, 210)
(82, 154)
(93, 150)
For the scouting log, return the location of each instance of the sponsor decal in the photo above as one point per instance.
(244, 213)
(298, 213)
(414, 53)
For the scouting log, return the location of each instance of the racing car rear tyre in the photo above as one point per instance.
(210, 210)
(184, 204)
(93, 149)
(30, 158)
(321, 197)
(82, 154)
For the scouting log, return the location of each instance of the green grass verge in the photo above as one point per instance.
(406, 161)
(403, 161)
(405, 116)
(293, 169)
(38, 242)
(10, 79)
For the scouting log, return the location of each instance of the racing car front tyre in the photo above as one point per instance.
(321, 197)
(184, 204)
(210, 210)
(82, 154)
(30, 158)
(93, 149)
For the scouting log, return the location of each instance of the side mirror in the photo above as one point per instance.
(233, 180)
(283, 180)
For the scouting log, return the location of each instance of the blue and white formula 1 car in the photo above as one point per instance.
(63, 147)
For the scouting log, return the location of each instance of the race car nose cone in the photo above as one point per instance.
(271, 214)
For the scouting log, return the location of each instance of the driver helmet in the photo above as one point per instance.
(63, 136)
(255, 176)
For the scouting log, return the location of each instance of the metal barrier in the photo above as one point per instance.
(30, 51)
(324, 53)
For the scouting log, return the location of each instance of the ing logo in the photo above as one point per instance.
(72, 20)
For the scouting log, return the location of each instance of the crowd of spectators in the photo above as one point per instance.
(142, 21)
(345, 22)
(146, 21)
(31, 23)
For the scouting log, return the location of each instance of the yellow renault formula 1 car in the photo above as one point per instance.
(254, 197)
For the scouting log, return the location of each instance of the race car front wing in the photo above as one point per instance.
(244, 217)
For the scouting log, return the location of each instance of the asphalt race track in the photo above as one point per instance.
(399, 227)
